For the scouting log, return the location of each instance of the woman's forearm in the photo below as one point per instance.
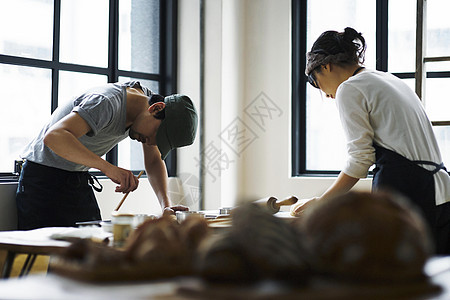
(340, 186)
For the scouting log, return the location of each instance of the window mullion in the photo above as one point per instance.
(420, 48)
(299, 22)
(382, 35)
(55, 53)
(168, 62)
(113, 60)
(113, 46)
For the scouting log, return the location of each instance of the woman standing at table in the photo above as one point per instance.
(385, 124)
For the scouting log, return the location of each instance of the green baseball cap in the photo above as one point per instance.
(179, 126)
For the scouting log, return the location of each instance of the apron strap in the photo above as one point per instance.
(91, 179)
(430, 163)
(383, 154)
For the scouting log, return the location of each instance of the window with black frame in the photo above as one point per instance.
(54, 49)
(389, 27)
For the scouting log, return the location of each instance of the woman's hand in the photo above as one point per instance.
(298, 208)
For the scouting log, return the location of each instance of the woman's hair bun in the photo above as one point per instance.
(354, 42)
(350, 34)
(347, 47)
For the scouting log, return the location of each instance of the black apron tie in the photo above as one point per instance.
(438, 167)
(91, 179)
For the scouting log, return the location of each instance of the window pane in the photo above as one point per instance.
(131, 156)
(325, 140)
(139, 35)
(27, 28)
(25, 108)
(438, 28)
(436, 100)
(402, 36)
(84, 32)
(150, 84)
(438, 66)
(72, 84)
(359, 14)
(130, 152)
(411, 82)
(443, 137)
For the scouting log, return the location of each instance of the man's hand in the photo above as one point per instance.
(125, 179)
(172, 209)
(298, 208)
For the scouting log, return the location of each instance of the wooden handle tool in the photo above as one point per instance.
(288, 201)
(273, 204)
(126, 195)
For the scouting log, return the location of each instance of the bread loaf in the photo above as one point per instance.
(157, 249)
(258, 246)
(363, 236)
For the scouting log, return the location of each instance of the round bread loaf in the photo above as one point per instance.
(367, 236)
(258, 246)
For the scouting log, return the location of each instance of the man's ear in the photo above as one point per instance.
(156, 107)
(327, 67)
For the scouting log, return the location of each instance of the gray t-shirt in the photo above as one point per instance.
(104, 109)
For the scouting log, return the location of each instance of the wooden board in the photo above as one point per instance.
(115, 273)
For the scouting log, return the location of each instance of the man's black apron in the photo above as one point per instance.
(51, 197)
(396, 173)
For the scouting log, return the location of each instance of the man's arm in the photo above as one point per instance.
(156, 174)
(62, 138)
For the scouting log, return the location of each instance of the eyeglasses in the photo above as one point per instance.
(312, 79)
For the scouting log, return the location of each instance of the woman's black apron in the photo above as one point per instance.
(396, 173)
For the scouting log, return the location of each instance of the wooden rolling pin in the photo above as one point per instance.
(273, 204)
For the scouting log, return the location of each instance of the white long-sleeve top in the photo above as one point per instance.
(377, 107)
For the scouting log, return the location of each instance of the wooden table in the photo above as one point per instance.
(40, 242)
(52, 286)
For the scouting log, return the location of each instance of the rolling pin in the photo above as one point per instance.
(273, 204)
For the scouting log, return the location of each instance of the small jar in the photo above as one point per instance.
(183, 215)
(122, 226)
(225, 210)
(141, 218)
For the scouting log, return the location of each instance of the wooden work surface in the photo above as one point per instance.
(45, 240)
(41, 241)
(217, 221)
(52, 286)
